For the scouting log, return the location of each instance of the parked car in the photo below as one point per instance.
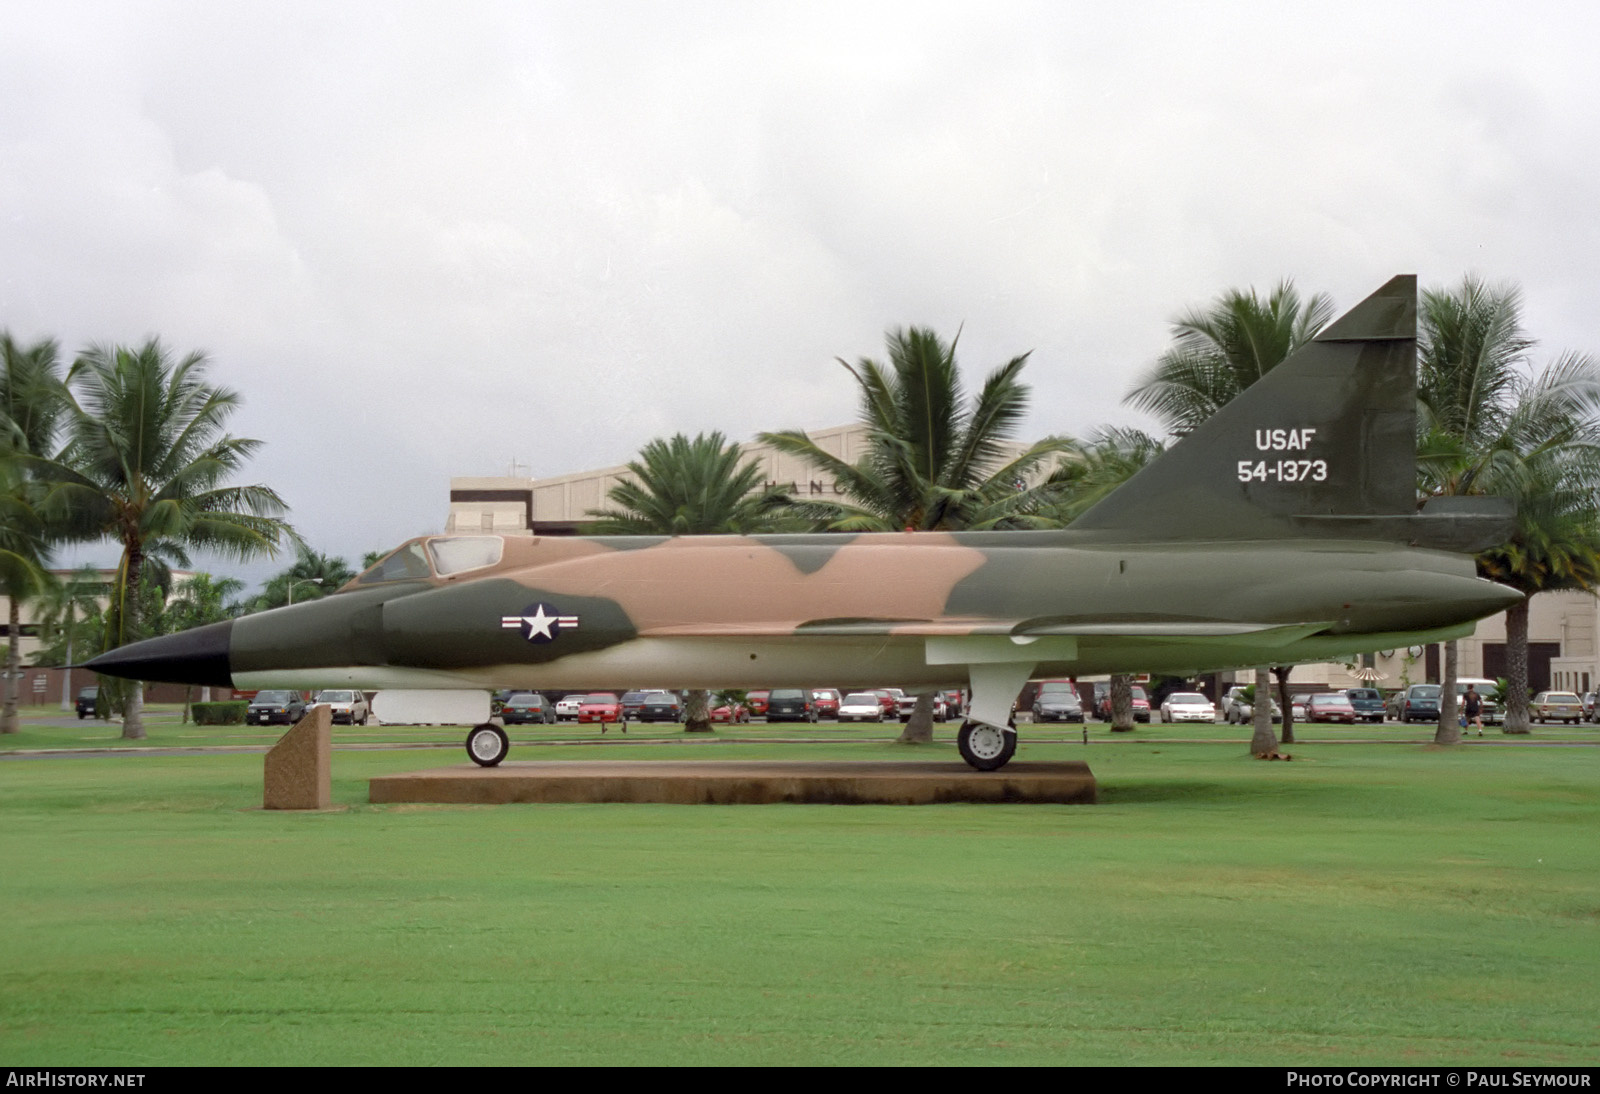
(941, 706)
(790, 705)
(275, 708)
(1366, 702)
(567, 707)
(631, 702)
(731, 713)
(1556, 706)
(87, 698)
(889, 699)
(826, 702)
(347, 707)
(1141, 705)
(1417, 703)
(1298, 706)
(1243, 712)
(1187, 706)
(757, 702)
(1057, 701)
(1588, 706)
(600, 707)
(1231, 701)
(861, 706)
(1330, 706)
(527, 708)
(661, 706)
(954, 704)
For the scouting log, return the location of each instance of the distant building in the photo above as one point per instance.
(560, 505)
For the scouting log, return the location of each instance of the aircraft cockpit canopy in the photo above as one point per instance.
(438, 555)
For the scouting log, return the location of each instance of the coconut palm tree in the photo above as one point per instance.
(31, 403)
(70, 622)
(312, 577)
(1099, 465)
(1556, 546)
(698, 486)
(23, 546)
(1223, 348)
(148, 464)
(1488, 424)
(682, 486)
(935, 460)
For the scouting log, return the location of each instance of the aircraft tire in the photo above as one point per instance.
(487, 745)
(985, 747)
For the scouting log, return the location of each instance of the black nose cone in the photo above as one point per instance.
(198, 657)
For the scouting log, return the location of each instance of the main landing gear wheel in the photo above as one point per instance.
(984, 746)
(487, 745)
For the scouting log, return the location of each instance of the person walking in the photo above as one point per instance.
(1472, 707)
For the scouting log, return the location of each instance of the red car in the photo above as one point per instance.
(601, 708)
(889, 699)
(732, 713)
(757, 701)
(826, 702)
(1141, 705)
(1330, 706)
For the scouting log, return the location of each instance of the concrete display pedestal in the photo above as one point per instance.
(735, 782)
(299, 769)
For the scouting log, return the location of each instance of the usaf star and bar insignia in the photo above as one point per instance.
(540, 622)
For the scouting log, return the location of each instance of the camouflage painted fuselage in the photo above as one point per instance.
(848, 611)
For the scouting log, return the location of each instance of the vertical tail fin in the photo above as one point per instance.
(1329, 433)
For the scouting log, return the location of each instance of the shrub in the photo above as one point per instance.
(230, 713)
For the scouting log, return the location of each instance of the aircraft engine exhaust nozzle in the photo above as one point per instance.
(198, 656)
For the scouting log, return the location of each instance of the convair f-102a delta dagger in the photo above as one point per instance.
(1285, 529)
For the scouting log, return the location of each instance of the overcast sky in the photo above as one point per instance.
(426, 240)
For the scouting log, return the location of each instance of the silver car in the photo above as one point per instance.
(349, 708)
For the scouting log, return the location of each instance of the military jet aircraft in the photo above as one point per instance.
(1284, 529)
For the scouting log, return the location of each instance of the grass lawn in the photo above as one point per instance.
(1364, 904)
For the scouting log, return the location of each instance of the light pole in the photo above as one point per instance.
(303, 581)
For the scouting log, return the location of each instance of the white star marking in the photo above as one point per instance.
(539, 623)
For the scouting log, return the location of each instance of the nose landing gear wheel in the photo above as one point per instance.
(984, 746)
(487, 745)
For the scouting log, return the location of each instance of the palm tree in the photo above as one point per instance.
(70, 622)
(22, 548)
(312, 577)
(148, 464)
(1488, 425)
(1556, 546)
(683, 486)
(935, 460)
(1221, 349)
(31, 402)
(1096, 467)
